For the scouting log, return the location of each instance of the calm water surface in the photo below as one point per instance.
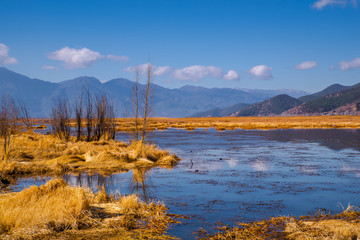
(243, 175)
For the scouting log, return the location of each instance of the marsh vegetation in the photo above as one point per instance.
(57, 210)
(219, 168)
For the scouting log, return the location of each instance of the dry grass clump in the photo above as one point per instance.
(60, 211)
(36, 154)
(151, 152)
(345, 225)
(54, 205)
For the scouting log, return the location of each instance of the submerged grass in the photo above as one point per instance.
(345, 225)
(57, 210)
(37, 154)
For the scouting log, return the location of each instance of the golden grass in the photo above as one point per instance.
(37, 154)
(231, 123)
(60, 211)
(345, 225)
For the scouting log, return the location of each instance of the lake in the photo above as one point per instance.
(242, 175)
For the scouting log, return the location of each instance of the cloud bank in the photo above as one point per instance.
(5, 59)
(355, 63)
(157, 71)
(320, 4)
(261, 71)
(196, 72)
(306, 65)
(231, 75)
(118, 58)
(76, 58)
(81, 58)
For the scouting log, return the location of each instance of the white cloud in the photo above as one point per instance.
(261, 71)
(320, 4)
(157, 71)
(355, 63)
(196, 72)
(306, 65)
(5, 59)
(76, 58)
(47, 67)
(231, 75)
(118, 58)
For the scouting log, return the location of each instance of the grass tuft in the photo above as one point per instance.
(57, 209)
(36, 154)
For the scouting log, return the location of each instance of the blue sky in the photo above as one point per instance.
(267, 44)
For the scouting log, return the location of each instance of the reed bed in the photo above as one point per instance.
(231, 123)
(58, 211)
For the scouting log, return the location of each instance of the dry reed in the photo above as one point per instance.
(231, 123)
(61, 211)
(345, 225)
(36, 154)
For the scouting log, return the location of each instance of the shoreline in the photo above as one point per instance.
(232, 123)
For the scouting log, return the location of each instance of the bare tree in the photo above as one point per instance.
(8, 119)
(100, 115)
(61, 119)
(89, 114)
(135, 103)
(24, 115)
(104, 118)
(110, 121)
(78, 116)
(147, 102)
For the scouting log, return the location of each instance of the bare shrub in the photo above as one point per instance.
(147, 102)
(89, 115)
(78, 116)
(24, 115)
(104, 118)
(135, 105)
(61, 119)
(8, 120)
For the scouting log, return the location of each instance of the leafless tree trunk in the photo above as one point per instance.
(135, 103)
(147, 102)
(8, 119)
(78, 117)
(100, 115)
(105, 118)
(110, 121)
(61, 119)
(24, 115)
(89, 115)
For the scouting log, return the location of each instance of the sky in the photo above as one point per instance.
(264, 44)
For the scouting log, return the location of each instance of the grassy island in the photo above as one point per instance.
(32, 154)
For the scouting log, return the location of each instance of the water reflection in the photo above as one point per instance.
(335, 139)
(140, 183)
(244, 175)
(91, 181)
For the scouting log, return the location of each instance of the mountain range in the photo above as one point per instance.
(333, 100)
(40, 95)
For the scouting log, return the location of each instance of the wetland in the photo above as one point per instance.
(239, 175)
